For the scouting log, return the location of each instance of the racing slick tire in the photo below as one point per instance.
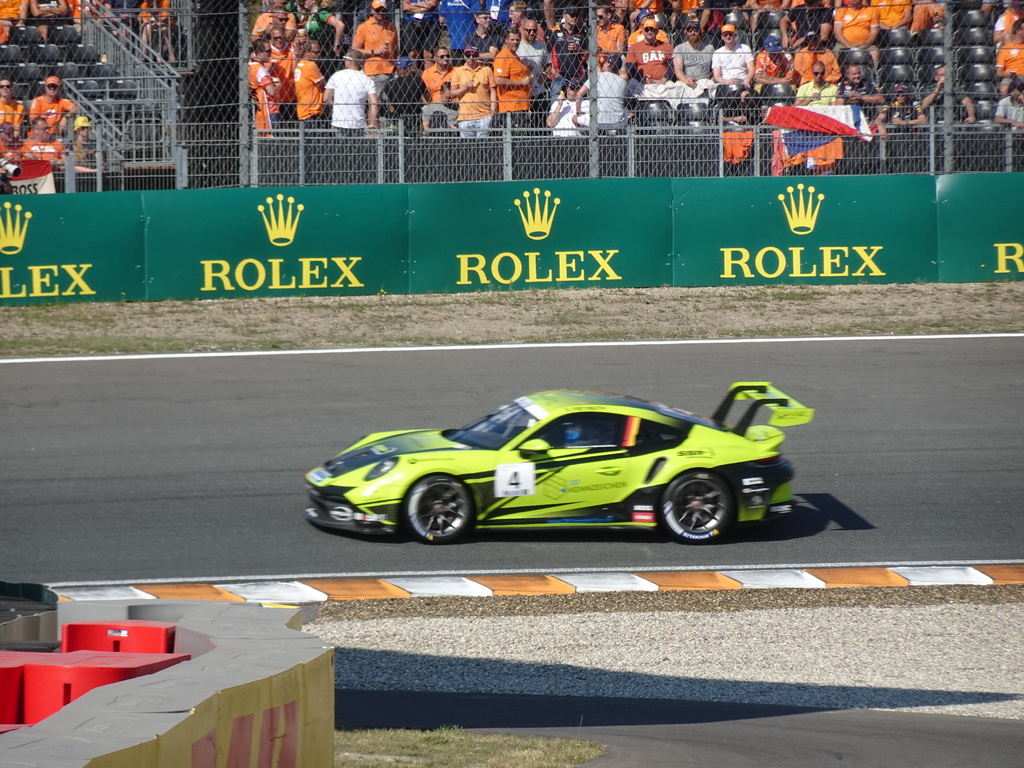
(438, 509)
(697, 507)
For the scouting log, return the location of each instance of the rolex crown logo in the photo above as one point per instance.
(537, 219)
(802, 211)
(280, 223)
(13, 227)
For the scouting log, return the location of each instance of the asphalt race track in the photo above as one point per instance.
(190, 468)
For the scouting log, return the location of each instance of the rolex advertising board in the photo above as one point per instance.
(821, 230)
(980, 236)
(595, 233)
(47, 257)
(296, 241)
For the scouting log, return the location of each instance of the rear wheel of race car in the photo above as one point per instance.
(697, 507)
(438, 510)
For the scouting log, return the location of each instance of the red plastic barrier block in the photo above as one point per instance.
(11, 684)
(127, 636)
(55, 680)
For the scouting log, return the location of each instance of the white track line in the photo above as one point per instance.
(485, 347)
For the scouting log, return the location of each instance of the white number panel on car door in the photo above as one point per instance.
(515, 480)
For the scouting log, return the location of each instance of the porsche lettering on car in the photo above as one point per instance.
(569, 459)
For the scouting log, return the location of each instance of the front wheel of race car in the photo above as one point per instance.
(438, 510)
(697, 507)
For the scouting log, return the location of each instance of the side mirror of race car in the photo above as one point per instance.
(533, 447)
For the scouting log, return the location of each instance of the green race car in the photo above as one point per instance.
(569, 460)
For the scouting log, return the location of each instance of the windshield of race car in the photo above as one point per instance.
(496, 429)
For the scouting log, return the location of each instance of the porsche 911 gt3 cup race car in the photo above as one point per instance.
(568, 459)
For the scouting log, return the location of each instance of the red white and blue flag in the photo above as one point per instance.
(804, 129)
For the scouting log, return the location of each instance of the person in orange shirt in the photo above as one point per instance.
(1010, 60)
(278, 14)
(42, 145)
(513, 81)
(857, 26)
(283, 58)
(11, 110)
(263, 88)
(815, 50)
(10, 146)
(377, 39)
(474, 88)
(158, 28)
(438, 79)
(1004, 22)
(893, 14)
(611, 36)
(309, 87)
(56, 110)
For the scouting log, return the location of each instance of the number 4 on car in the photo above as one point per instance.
(565, 459)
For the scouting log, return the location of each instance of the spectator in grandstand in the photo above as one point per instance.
(757, 8)
(903, 110)
(565, 110)
(263, 88)
(158, 28)
(857, 90)
(517, 14)
(1010, 59)
(43, 145)
(513, 81)
(773, 65)
(283, 57)
(377, 40)
(733, 63)
(712, 13)
(457, 17)
(53, 107)
(927, 15)
(857, 26)
(474, 89)
(691, 59)
(352, 96)
(611, 97)
(438, 79)
(936, 96)
(500, 12)
(819, 92)
(813, 52)
(483, 38)
(534, 54)
(611, 36)
(48, 13)
(568, 52)
(10, 144)
(278, 14)
(893, 14)
(1010, 110)
(309, 86)
(327, 29)
(814, 17)
(1005, 21)
(11, 110)
(649, 59)
(404, 95)
(83, 147)
(421, 30)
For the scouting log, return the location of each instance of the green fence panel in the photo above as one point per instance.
(57, 248)
(805, 230)
(597, 233)
(289, 241)
(980, 237)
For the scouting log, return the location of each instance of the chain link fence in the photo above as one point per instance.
(169, 89)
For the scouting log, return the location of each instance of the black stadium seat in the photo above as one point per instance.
(978, 73)
(27, 72)
(932, 38)
(44, 53)
(973, 36)
(897, 73)
(849, 56)
(897, 38)
(25, 36)
(930, 57)
(778, 94)
(891, 56)
(83, 54)
(9, 54)
(978, 54)
(63, 36)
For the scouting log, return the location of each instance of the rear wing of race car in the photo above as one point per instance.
(786, 412)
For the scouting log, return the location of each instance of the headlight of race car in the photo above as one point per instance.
(381, 469)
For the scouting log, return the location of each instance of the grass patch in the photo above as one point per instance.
(453, 747)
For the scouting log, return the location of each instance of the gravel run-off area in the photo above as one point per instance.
(910, 649)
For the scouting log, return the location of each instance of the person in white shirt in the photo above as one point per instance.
(353, 96)
(565, 109)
